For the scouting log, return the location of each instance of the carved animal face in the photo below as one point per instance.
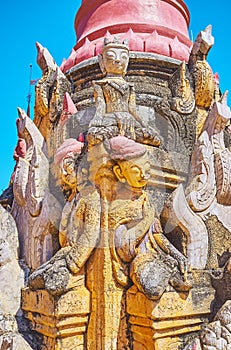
(115, 60)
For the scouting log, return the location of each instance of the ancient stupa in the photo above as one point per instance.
(116, 224)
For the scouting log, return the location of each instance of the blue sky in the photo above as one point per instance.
(51, 23)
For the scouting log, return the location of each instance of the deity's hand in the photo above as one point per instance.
(126, 125)
(97, 135)
(184, 265)
(94, 135)
(151, 136)
(96, 121)
(57, 277)
(124, 241)
(182, 280)
(53, 275)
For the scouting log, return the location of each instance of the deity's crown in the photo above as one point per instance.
(68, 147)
(123, 148)
(116, 42)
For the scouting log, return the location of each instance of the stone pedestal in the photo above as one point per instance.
(167, 322)
(61, 320)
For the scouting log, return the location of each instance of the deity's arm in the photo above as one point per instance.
(64, 223)
(148, 133)
(99, 98)
(128, 237)
(89, 237)
(132, 104)
(55, 274)
(169, 248)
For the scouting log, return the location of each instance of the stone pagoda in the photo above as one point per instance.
(116, 225)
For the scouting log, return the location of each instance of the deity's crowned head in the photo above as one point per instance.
(65, 157)
(133, 164)
(115, 57)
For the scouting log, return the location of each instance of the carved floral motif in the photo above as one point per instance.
(183, 99)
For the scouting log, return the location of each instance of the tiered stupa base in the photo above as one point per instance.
(167, 323)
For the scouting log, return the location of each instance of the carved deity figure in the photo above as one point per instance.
(116, 101)
(136, 240)
(139, 245)
(79, 231)
(65, 158)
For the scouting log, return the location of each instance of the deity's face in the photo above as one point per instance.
(135, 172)
(115, 60)
(68, 171)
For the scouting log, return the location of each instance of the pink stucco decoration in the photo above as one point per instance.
(216, 79)
(70, 62)
(155, 43)
(155, 26)
(69, 108)
(86, 50)
(19, 152)
(69, 146)
(20, 149)
(81, 137)
(123, 148)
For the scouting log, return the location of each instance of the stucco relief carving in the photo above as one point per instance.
(107, 219)
(204, 83)
(202, 72)
(178, 214)
(49, 91)
(100, 233)
(183, 98)
(210, 163)
(115, 100)
(35, 209)
(218, 119)
(201, 190)
(208, 184)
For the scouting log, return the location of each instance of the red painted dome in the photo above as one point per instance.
(156, 26)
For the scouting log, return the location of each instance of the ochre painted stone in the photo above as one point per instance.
(163, 324)
(61, 320)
